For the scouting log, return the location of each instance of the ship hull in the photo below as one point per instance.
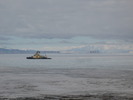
(37, 58)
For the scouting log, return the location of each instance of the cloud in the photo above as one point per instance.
(103, 19)
(65, 42)
(4, 38)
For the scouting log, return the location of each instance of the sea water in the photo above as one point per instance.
(69, 61)
(67, 74)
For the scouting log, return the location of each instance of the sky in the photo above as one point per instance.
(65, 24)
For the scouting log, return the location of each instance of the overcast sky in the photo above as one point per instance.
(64, 24)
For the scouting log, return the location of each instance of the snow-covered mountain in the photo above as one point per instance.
(101, 48)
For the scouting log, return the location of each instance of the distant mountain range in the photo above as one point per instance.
(17, 51)
(99, 49)
(92, 49)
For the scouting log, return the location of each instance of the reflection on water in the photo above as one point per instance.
(68, 61)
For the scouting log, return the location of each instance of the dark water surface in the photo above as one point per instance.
(69, 61)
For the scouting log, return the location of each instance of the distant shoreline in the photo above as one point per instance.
(106, 96)
(17, 51)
